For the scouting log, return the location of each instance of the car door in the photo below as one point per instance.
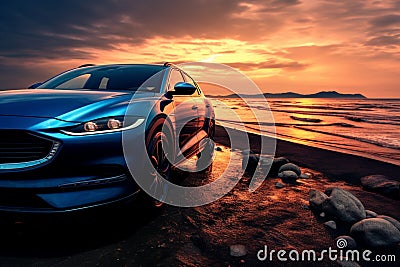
(185, 113)
(200, 104)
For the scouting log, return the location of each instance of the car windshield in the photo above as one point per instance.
(115, 77)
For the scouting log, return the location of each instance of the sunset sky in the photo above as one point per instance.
(291, 45)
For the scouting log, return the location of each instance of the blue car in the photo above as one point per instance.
(61, 140)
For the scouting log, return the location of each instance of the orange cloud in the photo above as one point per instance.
(283, 45)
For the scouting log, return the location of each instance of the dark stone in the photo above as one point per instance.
(317, 198)
(331, 225)
(370, 214)
(276, 165)
(288, 176)
(393, 221)
(252, 162)
(344, 206)
(375, 232)
(381, 184)
(290, 167)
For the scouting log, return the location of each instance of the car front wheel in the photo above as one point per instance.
(157, 150)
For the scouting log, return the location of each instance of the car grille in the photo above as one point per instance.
(19, 146)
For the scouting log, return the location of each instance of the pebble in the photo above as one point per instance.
(370, 214)
(290, 167)
(304, 176)
(331, 225)
(238, 250)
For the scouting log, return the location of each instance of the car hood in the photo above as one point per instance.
(50, 103)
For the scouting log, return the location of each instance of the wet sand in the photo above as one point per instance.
(333, 164)
(201, 236)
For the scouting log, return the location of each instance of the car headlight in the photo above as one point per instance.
(105, 125)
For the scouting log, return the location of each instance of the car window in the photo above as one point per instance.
(103, 83)
(175, 78)
(77, 82)
(110, 77)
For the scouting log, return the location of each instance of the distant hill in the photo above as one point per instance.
(323, 94)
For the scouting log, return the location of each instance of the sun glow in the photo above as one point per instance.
(210, 59)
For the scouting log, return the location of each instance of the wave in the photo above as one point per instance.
(306, 119)
(339, 106)
(356, 119)
(339, 124)
(371, 119)
(376, 120)
(361, 139)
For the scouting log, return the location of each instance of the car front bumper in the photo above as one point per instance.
(85, 171)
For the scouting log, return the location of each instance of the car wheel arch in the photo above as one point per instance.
(157, 125)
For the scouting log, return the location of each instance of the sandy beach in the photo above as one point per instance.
(333, 164)
(277, 217)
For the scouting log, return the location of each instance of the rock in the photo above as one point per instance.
(252, 162)
(345, 242)
(347, 263)
(344, 206)
(279, 185)
(322, 215)
(331, 225)
(393, 221)
(238, 250)
(304, 176)
(370, 214)
(317, 198)
(375, 232)
(218, 149)
(382, 185)
(290, 167)
(265, 164)
(276, 165)
(288, 176)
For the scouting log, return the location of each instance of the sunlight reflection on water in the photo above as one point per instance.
(366, 127)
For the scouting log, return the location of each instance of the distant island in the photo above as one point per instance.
(323, 94)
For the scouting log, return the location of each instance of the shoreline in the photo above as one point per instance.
(338, 165)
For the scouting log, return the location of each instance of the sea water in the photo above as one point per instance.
(366, 127)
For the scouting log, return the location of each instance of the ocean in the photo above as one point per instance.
(364, 127)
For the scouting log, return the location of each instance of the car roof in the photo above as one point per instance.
(92, 66)
(165, 65)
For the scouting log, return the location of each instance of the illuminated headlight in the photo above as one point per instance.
(114, 124)
(90, 126)
(105, 125)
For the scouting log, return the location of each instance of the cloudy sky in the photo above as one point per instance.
(283, 45)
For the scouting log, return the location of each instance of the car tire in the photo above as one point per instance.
(158, 146)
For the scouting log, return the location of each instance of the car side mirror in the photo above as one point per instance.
(182, 88)
(35, 85)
